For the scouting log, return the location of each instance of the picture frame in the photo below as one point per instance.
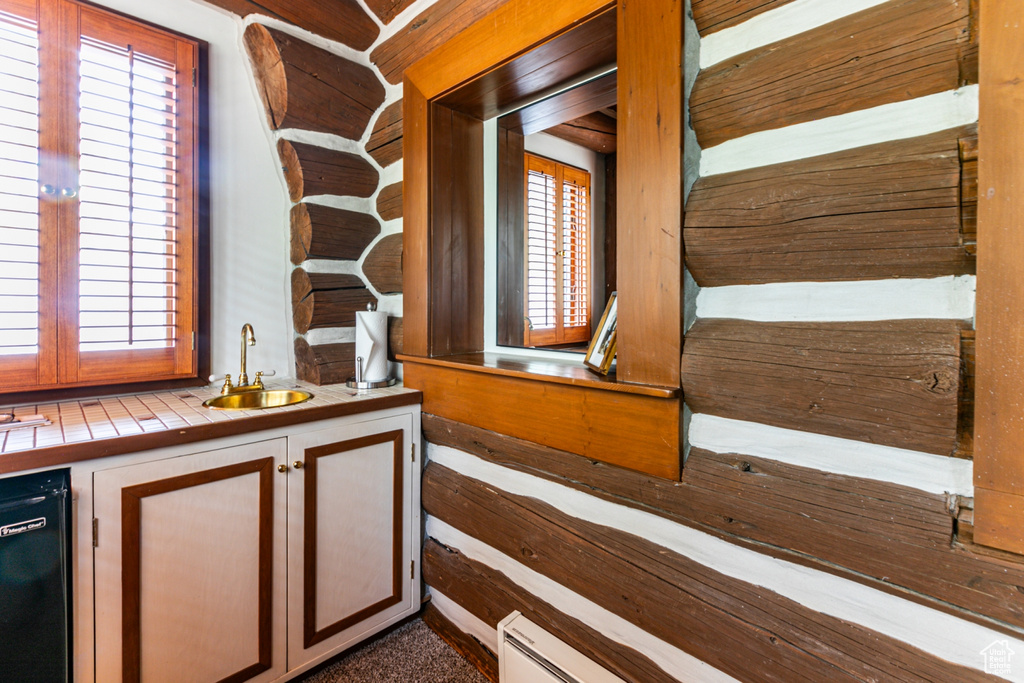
(602, 346)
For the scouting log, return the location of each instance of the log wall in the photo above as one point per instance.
(896, 51)
(894, 211)
(334, 176)
(850, 520)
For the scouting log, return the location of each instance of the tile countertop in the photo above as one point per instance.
(96, 427)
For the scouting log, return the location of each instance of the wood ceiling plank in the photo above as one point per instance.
(594, 131)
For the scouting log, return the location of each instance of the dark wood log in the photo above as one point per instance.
(490, 596)
(431, 28)
(894, 52)
(303, 86)
(890, 382)
(396, 337)
(594, 131)
(739, 628)
(310, 170)
(892, 538)
(714, 15)
(383, 265)
(385, 143)
(389, 202)
(323, 232)
(881, 211)
(386, 10)
(324, 363)
(326, 300)
(471, 649)
(341, 20)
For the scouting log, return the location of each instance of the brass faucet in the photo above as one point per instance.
(248, 339)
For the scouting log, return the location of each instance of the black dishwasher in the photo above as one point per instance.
(35, 578)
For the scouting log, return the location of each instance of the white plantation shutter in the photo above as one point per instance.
(541, 227)
(127, 221)
(19, 186)
(575, 249)
(98, 226)
(557, 234)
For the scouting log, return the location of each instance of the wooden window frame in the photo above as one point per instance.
(70, 379)
(447, 95)
(999, 387)
(557, 335)
(444, 295)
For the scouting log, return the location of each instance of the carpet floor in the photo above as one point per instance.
(410, 654)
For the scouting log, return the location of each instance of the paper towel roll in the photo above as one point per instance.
(372, 344)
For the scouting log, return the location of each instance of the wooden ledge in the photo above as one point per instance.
(628, 425)
(541, 370)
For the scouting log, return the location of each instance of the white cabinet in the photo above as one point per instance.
(253, 561)
(351, 542)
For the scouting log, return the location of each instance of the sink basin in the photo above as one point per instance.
(254, 400)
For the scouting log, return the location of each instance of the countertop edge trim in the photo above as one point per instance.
(65, 454)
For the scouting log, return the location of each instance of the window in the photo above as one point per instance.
(557, 292)
(98, 198)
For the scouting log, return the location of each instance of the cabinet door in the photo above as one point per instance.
(350, 535)
(190, 568)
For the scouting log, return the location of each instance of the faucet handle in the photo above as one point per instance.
(227, 382)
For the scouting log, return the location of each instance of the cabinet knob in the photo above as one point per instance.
(297, 464)
(48, 189)
(282, 468)
(69, 192)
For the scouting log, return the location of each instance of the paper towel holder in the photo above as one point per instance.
(357, 381)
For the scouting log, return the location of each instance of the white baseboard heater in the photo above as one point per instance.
(529, 654)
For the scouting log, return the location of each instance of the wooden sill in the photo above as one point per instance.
(570, 372)
(557, 404)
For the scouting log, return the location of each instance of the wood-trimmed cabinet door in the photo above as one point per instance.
(190, 567)
(353, 534)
